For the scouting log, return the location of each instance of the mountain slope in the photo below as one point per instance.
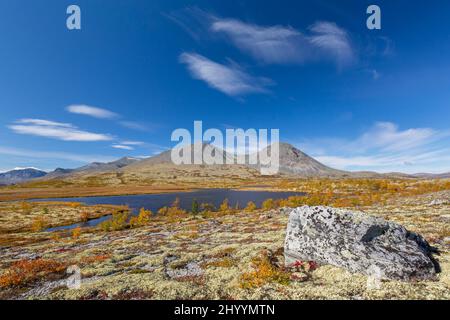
(109, 166)
(432, 175)
(20, 175)
(93, 168)
(166, 156)
(295, 162)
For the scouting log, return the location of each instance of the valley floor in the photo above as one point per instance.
(223, 256)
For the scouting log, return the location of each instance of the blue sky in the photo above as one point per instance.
(354, 98)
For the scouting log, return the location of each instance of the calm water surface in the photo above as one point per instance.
(156, 201)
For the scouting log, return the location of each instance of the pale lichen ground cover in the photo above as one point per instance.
(205, 258)
(22, 222)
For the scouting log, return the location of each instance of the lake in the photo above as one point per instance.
(156, 201)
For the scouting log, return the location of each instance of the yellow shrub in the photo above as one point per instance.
(264, 272)
(56, 236)
(142, 219)
(225, 206)
(251, 206)
(26, 207)
(117, 222)
(38, 224)
(173, 213)
(268, 204)
(76, 233)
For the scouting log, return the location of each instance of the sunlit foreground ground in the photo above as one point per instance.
(222, 253)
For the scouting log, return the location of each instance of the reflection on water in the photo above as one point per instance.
(156, 201)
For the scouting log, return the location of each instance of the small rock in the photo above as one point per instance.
(192, 269)
(438, 202)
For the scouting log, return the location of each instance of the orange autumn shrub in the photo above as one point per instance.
(27, 271)
(76, 233)
(264, 271)
(84, 216)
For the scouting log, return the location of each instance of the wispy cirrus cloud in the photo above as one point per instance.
(385, 148)
(134, 125)
(285, 45)
(273, 44)
(52, 155)
(132, 143)
(122, 146)
(68, 132)
(332, 41)
(229, 79)
(101, 113)
(92, 111)
(387, 137)
(56, 130)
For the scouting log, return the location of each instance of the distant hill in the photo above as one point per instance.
(432, 175)
(20, 175)
(58, 172)
(93, 167)
(108, 166)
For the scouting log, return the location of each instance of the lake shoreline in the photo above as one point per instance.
(38, 194)
(154, 202)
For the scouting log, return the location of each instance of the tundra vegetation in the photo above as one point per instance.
(208, 252)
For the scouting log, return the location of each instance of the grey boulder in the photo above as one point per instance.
(359, 243)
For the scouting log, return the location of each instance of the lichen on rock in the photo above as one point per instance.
(359, 243)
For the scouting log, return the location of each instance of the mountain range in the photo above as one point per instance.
(292, 162)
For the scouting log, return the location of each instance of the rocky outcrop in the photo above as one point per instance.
(359, 243)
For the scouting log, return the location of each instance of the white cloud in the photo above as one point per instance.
(132, 143)
(121, 146)
(92, 111)
(106, 114)
(134, 125)
(433, 162)
(275, 44)
(55, 130)
(231, 79)
(284, 44)
(333, 40)
(50, 155)
(388, 137)
(385, 148)
(41, 122)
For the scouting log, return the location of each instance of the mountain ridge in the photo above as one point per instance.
(292, 163)
(20, 175)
